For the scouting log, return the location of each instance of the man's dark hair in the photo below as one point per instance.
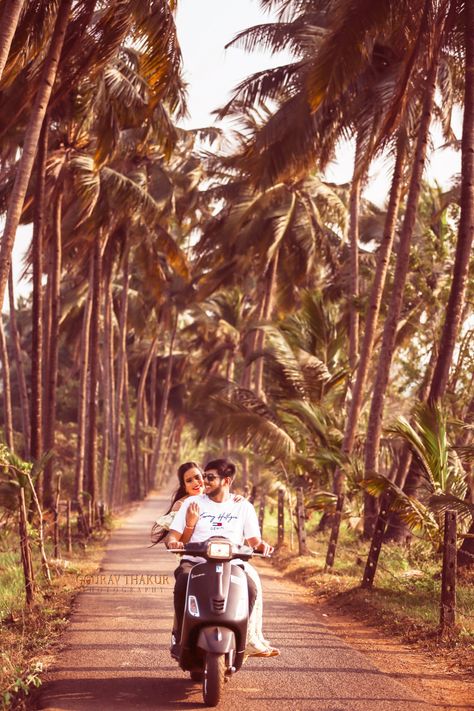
(224, 467)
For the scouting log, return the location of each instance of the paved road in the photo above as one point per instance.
(116, 648)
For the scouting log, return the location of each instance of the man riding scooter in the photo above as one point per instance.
(219, 515)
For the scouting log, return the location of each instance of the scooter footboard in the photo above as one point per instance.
(219, 640)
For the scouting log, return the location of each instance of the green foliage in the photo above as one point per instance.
(22, 684)
(443, 483)
(13, 474)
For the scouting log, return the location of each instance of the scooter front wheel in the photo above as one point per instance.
(214, 678)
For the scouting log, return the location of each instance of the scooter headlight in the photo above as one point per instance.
(220, 550)
(193, 607)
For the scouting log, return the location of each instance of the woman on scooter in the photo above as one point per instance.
(191, 483)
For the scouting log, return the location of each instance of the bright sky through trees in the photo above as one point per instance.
(206, 26)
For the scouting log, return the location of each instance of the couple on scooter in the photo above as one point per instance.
(217, 512)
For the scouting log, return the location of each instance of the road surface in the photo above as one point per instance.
(116, 657)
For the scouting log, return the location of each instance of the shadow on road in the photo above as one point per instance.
(120, 693)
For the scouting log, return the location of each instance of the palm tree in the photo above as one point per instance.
(30, 143)
(120, 380)
(7, 395)
(443, 480)
(157, 453)
(400, 274)
(91, 484)
(457, 294)
(9, 21)
(141, 472)
(20, 369)
(83, 389)
(54, 284)
(36, 445)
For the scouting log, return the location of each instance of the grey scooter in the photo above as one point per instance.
(216, 612)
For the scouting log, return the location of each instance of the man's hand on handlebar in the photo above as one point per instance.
(264, 548)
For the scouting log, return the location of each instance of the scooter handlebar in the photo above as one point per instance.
(201, 549)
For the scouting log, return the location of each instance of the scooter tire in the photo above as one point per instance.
(214, 679)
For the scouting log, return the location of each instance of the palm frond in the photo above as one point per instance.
(448, 502)
(416, 515)
(250, 402)
(86, 179)
(128, 192)
(252, 429)
(427, 439)
(322, 501)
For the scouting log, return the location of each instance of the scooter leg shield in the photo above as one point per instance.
(219, 640)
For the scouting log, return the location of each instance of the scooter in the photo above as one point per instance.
(214, 631)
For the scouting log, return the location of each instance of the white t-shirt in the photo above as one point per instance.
(235, 520)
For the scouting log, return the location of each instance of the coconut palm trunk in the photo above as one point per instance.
(153, 392)
(8, 24)
(20, 370)
(132, 474)
(354, 208)
(30, 143)
(249, 346)
(146, 448)
(372, 314)
(465, 554)
(374, 430)
(83, 390)
(36, 443)
(370, 330)
(166, 459)
(53, 352)
(46, 341)
(153, 399)
(139, 471)
(107, 386)
(156, 456)
(104, 450)
(93, 405)
(407, 478)
(7, 390)
(120, 380)
(269, 305)
(459, 281)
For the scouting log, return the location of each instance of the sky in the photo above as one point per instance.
(211, 72)
(206, 26)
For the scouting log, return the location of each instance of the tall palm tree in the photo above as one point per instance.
(83, 390)
(401, 267)
(8, 24)
(52, 371)
(36, 444)
(20, 369)
(458, 290)
(7, 393)
(30, 143)
(91, 483)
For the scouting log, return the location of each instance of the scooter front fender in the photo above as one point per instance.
(218, 640)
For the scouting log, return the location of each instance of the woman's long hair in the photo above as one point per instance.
(158, 533)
